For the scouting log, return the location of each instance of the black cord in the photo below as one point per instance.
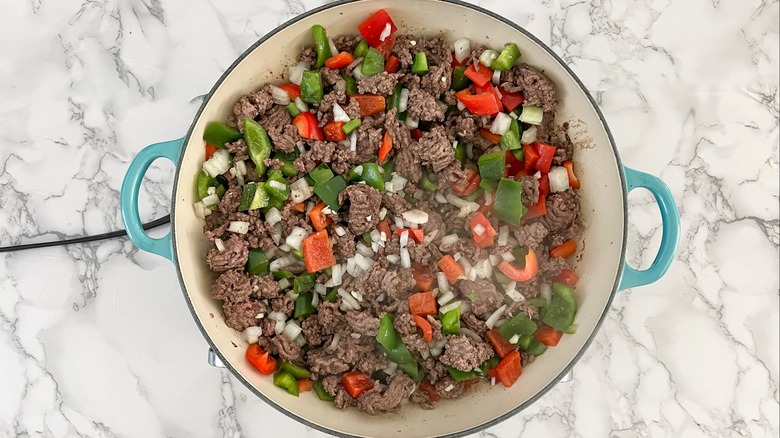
(85, 239)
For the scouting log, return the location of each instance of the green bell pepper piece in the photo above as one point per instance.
(507, 58)
(519, 154)
(321, 174)
(412, 369)
(490, 363)
(388, 167)
(501, 278)
(372, 175)
(562, 308)
(367, 238)
(219, 134)
(303, 308)
(311, 87)
(322, 394)
(361, 49)
(400, 354)
(427, 184)
(461, 376)
(387, 336)
(474, 196)
(288, 168)
(253, 197)
(321, 44)
(373, 63)
(572, 329)
(524, 342)
(274, 203)
(459, 79)
(292, 108)
(519, 325)
(304, 283)
(329, 191)
(460, 152)
(286, 381)
(298, 253)
(295, 370)
(491, 165)
(394, 99)
(351, 126)
(538, 302)
(277, 192)
(333, 295)
(257, 263)
(488, 185)
(535, 348)
(278, 275)
(351, 87)
(510, 141)
(420, 64)
(519, 252)
(258, 144)
(204, 182)
(508, 205)
(450, 322)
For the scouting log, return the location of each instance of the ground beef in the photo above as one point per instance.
(436, 49)
(467, 249)
(522, 307)
(258, 235)
(411, 81)
(312, 330)
(435, 223)
(563, 235)
(347, 43)
(364, 205)
(238, 149)
(404, 324)
(320, 152)
(530, 235)
(550, 266)
(268, 326)
(423, 107)
(399, 387)
(329, 316)
(434, 370)
(284, 138)
(488, 297)
(325, 363)
(351, 349)
(461, 128)
(343, 160)
(380, 279)
(252, 105)
(419, 253)
(421, 398)
(352, 65)
(565, 147)
(343, 246)
(447, 387)
(475, 324)
(434, 149)
(283, 304)
(363, 323)
(264, 287)
(273, 163)
(308, 55)
(382, 84)
(416, 345)
(325, 109)
(464, 353)
(451, 174)
(292, 218)
(286, 349)
(530, 189)
(330, 77)
(232, 286)
(395, 204)
(230, 201)
(438, 80)
(369, 140)
(241, 315)
(562, 210)
(537, 88)
(372, 362)
(234, 256)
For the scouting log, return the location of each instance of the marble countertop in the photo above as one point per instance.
(690, 90)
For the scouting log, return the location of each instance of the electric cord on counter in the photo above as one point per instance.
(105, 236)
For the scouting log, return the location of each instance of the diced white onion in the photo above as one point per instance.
(340, 231)
(393, 259)
(532, 115)
(390, 368)
(295, 239)
(503, 235)
(238, 227)
(446, 298)
(218, 164)
(449, 239)
(382, 213)
(353, 142)
(277, 316)
(300, 191)
(291, 293)
(240, 167)
(529, 135)
(252, 334)
(399, 182)
(496, 78)
(487, 57)
(357, 72)
(279, 96)
(357, 295)
(348, 299)
(470, 333)
(514, 339)
(406, 261)
(501, 124)
(339, 115)
(403, 100)
(315, 299)
(470, 150)
(462, 203)
(337, 275)
(508, 256)
(483, 269)
(301, 105)
(559, 179)
(278, 185)
(332, 45)
(430, 237)
(363, 251)
(334, 343)
(292, 330)
(296, 72)
(273, 216)
(283, 262)
(320, 289)
(457, 256)
(284, 283)
(200, 210)
(219, 244)
(461, 106)
(440, 198)
(462, 49)
(491, 321)
(479, 229)
(546, 292)
(442, 282)
(415, 216)
(444, 107)
(495, 260)
(465, 264)
(279, 328)
(239, 177)
(411, 123)
(404, 240)
(513, 293)
(450, 306)
(300, 340)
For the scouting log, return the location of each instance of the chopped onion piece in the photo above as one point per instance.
(218, 164)
(495, 260)
(514, 339)
(284, 283)
(404, 240)
(296, 72)
(337, 274)
(470, 333)
(219, 244)
(200, 210)
(211, 190)
(277, 316)
(496, 78)
(357, 72)
(300, 191)
(382, 213)
(462, 49)
(487, 57)
(501, 124)
(529, 135)
(461, 105)
(446, 298)
(457, 256)
(332, 46)
(403, 100)
(390, 368)
(399, 182)
(503, 235)
(273, 216)
(279, 96)
(295, 239)
(406, 261)
(282, 262)
(348, 299)
(278, 185)
(491, 321)
(334, 343)
(444, 284)
(415, 216)
(340, 231)
(411, 123)
(238, 227)
(339, 115)
(508, 256)
(252, 334)
(462, 203)
(279, 328)
(546, 292)
(559, 179)
(320, 289)
(450, 239)
(240, 168)
(393, 259)
(453, 305)
(430, 237)
(353, 142)
(301, 105)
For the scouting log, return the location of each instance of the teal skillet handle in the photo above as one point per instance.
(670, 217)
(128, 197)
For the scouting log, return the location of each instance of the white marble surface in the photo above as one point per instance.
(689, 87)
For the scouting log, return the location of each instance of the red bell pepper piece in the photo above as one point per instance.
(567, 277)
(338, 61)
(318, 252)
(479, 74)
(537, 210)
(417, 234)
(423, 303)
(372, 28)
(451, 268)
(489, 136)
(486, 104)
(416, 134)
(305, 385)
(513, 166)
(548, 336)
(574, 182)
(499, 343)
(509, 369)
(486, 238)
(369, 104)
(210, 149)
(260, 359)
(334, 131)
(546, 155)
(425, 326)
(292, 90)
(527, 273)
(427, 387)
(308, 127)
(565, 249)
(531, 157)
(487, 87)
(387, 146)
(393, 64)
(470, 185)
(384, 227)
(356, 383)
(422, 277)
(511, 100)
(386, 47)
(544, 185)
(318, 219)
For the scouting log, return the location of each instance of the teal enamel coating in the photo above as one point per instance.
(128, 197)
(670, 217)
